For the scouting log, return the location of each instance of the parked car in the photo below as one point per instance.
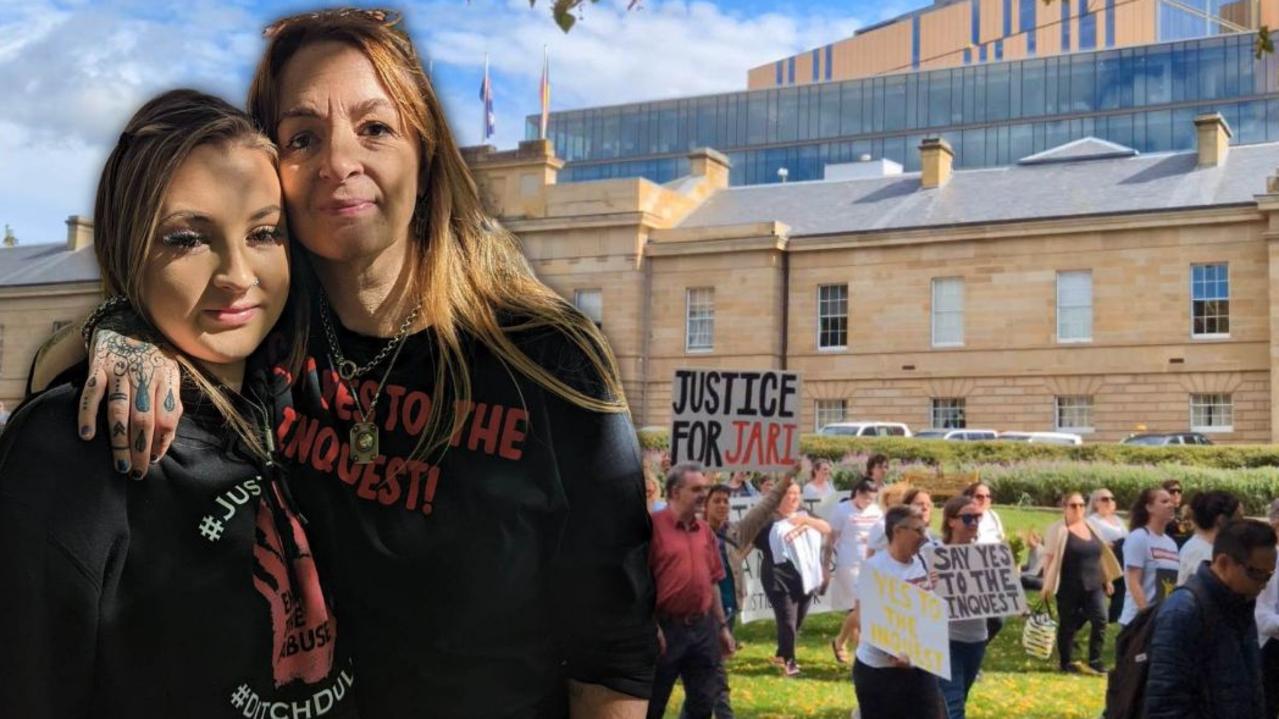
(1165, 438)
(964, 435)
(865, 429)
(1042, 437)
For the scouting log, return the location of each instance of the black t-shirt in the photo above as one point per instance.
(1081, 563)
(191, 594)
(476, 584)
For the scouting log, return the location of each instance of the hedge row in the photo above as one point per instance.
(949, 454)
(1039, 483)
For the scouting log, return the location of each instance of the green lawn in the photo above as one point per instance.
(1012, 685)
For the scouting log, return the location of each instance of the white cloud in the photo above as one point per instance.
(664, 49)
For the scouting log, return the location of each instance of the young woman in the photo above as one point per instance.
(851, 524)
(819, 485)
(886, 685)
(1150, 555)
(1112, 530)
(791, 570)
(1209, 510)
(991, 531)
(195, 595)
(960, 518)
(1079, 572)
(458, 430)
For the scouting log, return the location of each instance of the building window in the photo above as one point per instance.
(1074, 306)
(1210, 300)
(779, 72)
(832, 317)
(948, 413)
(1026, 23)
(948, 311)
(591, 303)
(1211, 413)
(830, 51)
(1087, 27)
(1110, 23)
(790, 71)
(817, 63)
(829, 411)
(1074, 414)
(700, 333)
(1065, 25)
(914, 42)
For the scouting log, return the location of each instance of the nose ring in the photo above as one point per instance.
(257, 282)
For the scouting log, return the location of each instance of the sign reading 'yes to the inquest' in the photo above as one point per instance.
(736, 419)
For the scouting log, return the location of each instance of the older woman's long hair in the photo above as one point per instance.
(468, 272)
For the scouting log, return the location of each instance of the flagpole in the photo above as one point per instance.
(545, 90)
(484, 109)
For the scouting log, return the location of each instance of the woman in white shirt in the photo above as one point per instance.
(851, 525)
(1112, 530)
(959, 521)
(990, 531)
(791, 570)
(1267, 614)
(1150, 556)
(887, 685)
(819, 486)
(1208, 510)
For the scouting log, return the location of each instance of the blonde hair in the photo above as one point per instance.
(156, 141)
(466, 270)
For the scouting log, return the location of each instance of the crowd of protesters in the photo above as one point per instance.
(1213, 647)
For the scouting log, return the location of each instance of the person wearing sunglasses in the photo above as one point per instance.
(888, 685)
(1180, 527)
(1079, 573)
(1110, 526)
(991, 531)
(1205, 657)
(1209, 510)
(960, 518)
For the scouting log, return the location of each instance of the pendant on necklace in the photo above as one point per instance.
(364, 441)
(347, 370)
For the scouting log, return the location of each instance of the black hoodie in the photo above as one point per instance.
(192, 594)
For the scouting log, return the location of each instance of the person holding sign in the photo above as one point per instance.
(887, 685)
(1079, 573)
(960, 518)
(1151, 561)
(791, 570)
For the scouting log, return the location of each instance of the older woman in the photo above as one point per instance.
(458, 431)
(968, 637)
(1112, 530)
(887, 685)
(791, 571)
(1079, 572)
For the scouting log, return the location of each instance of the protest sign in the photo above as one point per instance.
(978, 580)
(904, 621)
(735, 419)
(756, 604)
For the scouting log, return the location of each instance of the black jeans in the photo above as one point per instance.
(1075, 606)
(1270, 677)
(694, 655)
(789, 612)
(897, 693)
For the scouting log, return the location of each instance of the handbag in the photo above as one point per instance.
(1040, 633)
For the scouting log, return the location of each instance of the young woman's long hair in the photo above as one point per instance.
(1140, 515)
(156, 141)
(467, 270)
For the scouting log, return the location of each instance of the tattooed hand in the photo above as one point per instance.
(141, 386)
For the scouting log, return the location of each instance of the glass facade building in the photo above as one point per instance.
(1143, 97)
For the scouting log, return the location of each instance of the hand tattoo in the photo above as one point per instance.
(117, 429)
(142, 400)
(140, 444)
(128, 359)
(169, 403)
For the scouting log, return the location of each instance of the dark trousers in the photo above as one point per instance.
(723, 705)
(694, 655)
(993, 626)
(1075, 606)
(896, 693)
(1117, 601)
(965, 662)
(1270, 677)
(789, 612)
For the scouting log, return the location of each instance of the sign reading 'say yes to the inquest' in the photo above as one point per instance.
(735, 419)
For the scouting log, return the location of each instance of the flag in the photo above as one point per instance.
(486, 94)
(545, 91)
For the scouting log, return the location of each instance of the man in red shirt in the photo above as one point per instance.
(692, 633)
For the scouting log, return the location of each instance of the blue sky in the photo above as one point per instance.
(72, 72)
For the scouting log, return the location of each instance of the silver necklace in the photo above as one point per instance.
(364, 435)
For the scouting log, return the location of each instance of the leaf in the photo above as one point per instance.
(1265, 43)
(563, 11)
